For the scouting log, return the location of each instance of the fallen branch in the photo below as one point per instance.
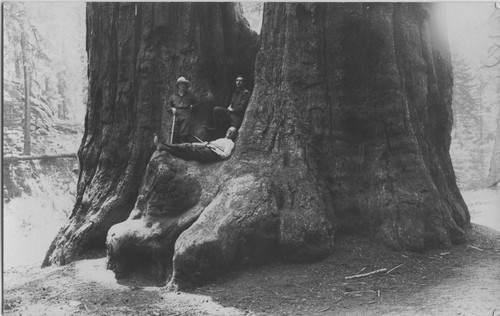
(361, 270)
(476, 248)
(365, 274)
(215, 290)
(243, 298)
(8, 159)
(358, 292)
(394, 268)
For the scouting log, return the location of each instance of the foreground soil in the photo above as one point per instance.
(463, 280)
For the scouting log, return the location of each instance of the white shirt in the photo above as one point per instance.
(222, 147)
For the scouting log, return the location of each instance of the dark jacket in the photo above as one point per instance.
(182, 102)
(239, 101)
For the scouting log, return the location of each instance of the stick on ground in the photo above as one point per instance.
(365, 274)
(477, 248)
(394, 268)
(361, 270)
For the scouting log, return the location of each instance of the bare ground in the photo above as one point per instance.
(463, 280)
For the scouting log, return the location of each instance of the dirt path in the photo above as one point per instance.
(474, 290)
(459, 281)
(87, 288)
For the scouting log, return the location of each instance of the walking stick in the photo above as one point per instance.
(172, 133)
(198, 139)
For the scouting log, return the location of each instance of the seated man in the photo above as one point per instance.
(232, 116)
(216, 150)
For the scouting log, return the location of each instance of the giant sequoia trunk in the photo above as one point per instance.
(362, 107)
(136, 52)
(348, 129)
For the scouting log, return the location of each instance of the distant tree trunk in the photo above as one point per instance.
(27, 107)
(348, 130)
(61, 90)
(17, 66)
(494, 173)
(480, 127)
(136, 52)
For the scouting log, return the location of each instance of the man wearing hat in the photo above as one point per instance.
(180, 104)
(216, 150)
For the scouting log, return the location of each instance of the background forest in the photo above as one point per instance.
(475, 40)
(44, 50)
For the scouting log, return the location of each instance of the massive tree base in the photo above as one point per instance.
(193, 221)
(171, 199)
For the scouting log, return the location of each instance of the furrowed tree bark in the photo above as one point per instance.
(347, 130)
(136, 52)
(364, 104)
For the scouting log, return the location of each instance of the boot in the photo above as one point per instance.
(156, 142)
(159, 146)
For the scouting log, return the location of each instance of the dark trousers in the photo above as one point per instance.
(182, 126)
(191, 152)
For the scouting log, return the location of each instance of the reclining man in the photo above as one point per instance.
(216, 150)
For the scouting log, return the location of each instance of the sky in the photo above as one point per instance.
(468, 27)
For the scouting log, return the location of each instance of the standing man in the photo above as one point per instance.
(180, 104)
(232, 116)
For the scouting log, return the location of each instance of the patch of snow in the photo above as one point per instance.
(30, 225)
(95, 270)
(484, 207)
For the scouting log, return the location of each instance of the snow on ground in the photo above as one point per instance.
(484, 206)
(30, 224)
